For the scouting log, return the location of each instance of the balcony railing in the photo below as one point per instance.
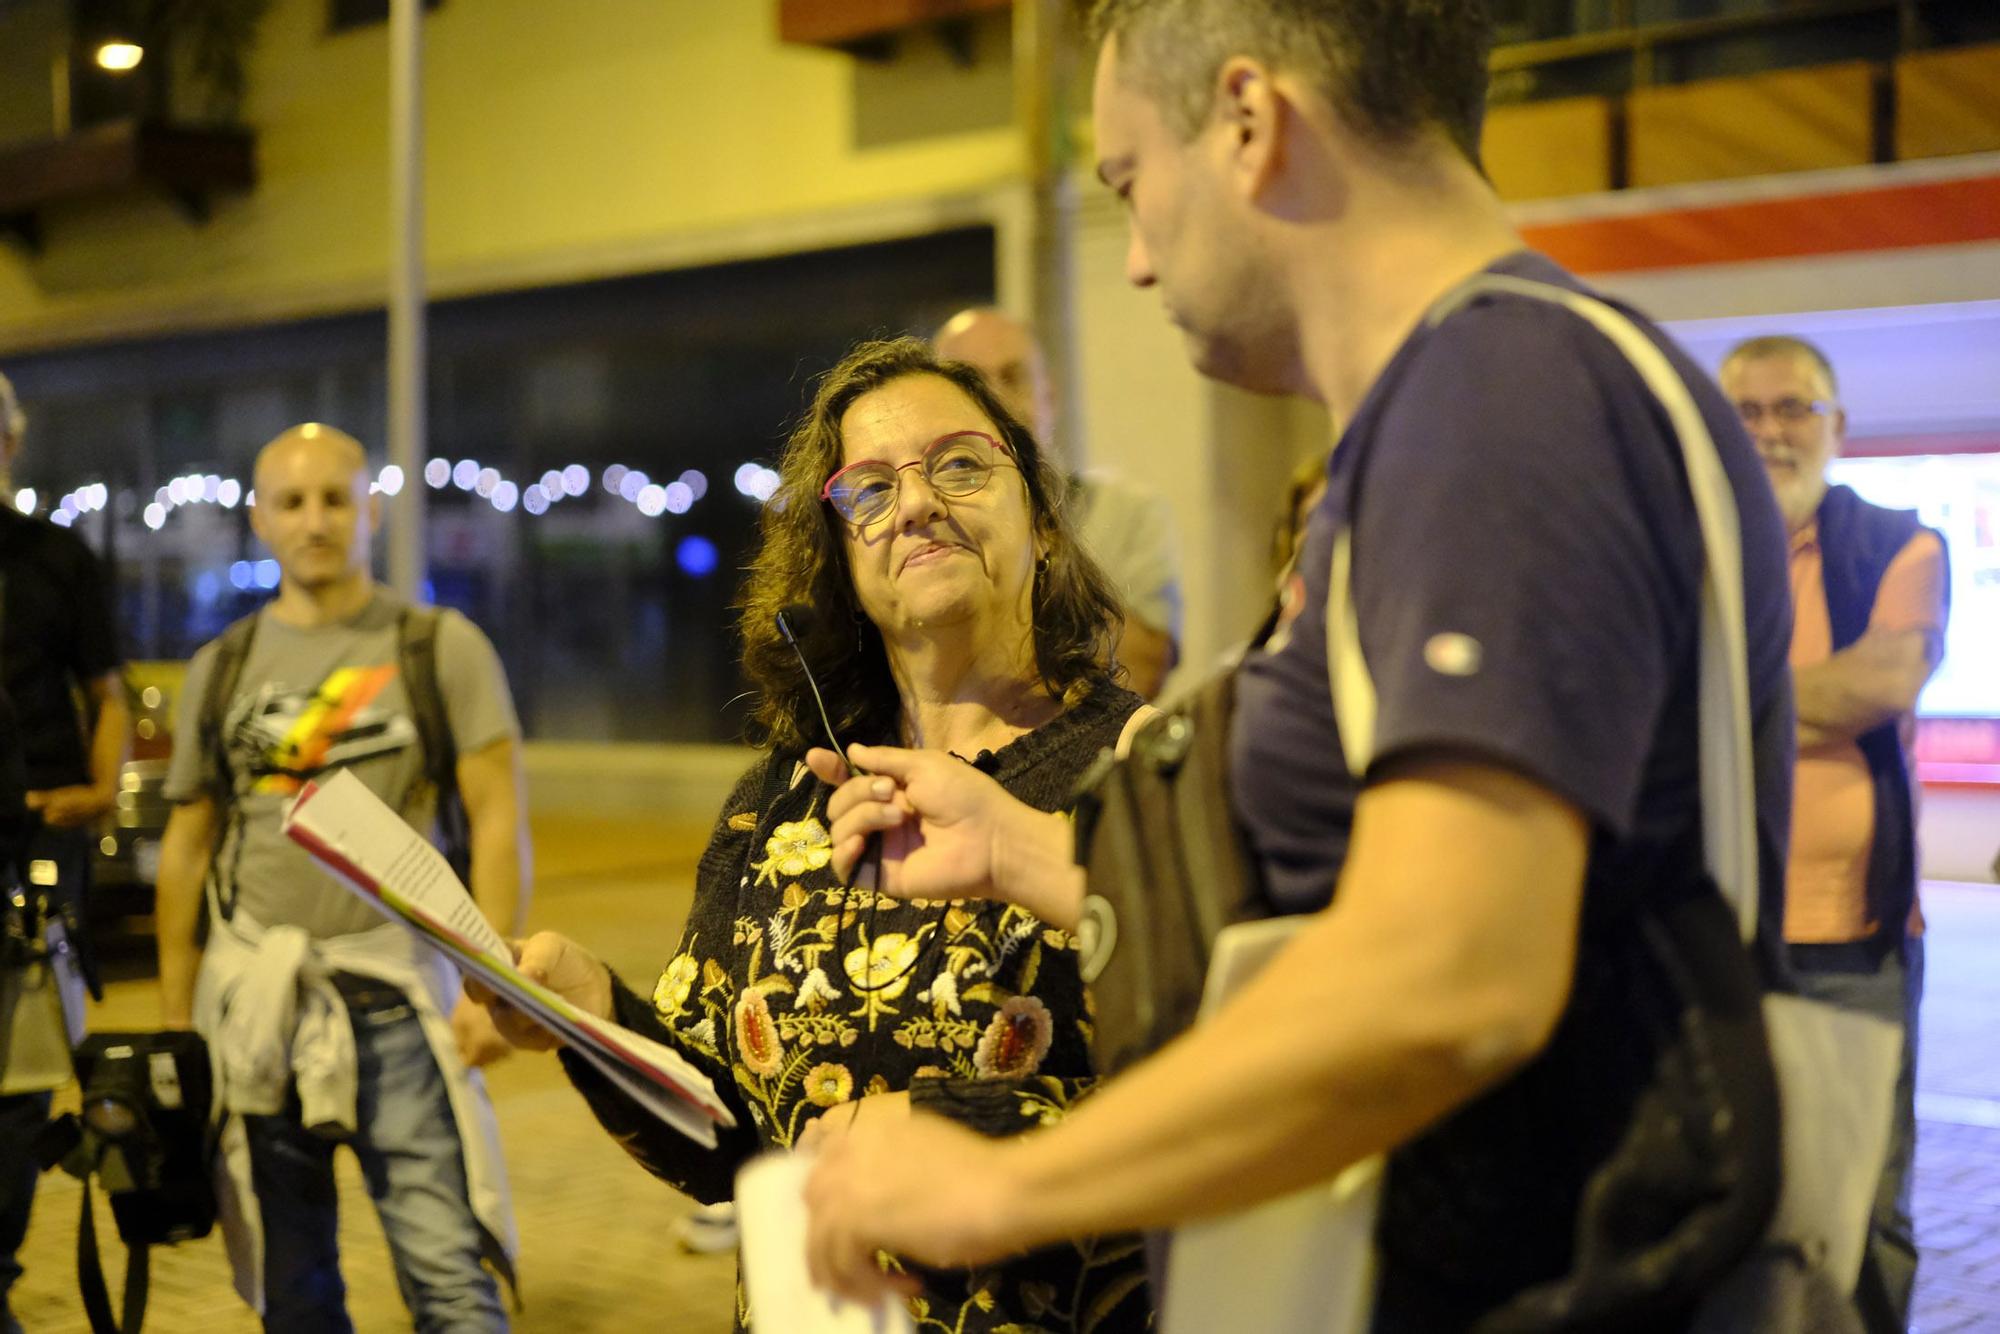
(1564, 48)
(1603, 94)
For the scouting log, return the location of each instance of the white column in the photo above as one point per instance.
(1044, 61)
(406, 294)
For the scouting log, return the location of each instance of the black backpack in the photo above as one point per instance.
(416, 657)
(144, 1133)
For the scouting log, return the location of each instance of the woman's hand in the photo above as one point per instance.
(561, 965)
(477, 1034)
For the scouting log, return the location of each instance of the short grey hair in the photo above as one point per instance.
(1391, 68)
(13, 421)
(1784, 345)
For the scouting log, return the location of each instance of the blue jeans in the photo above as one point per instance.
(1874, 980)
(415, 1170)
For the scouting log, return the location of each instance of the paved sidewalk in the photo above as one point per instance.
(595, 1252)
(1958, 1114)
(595, 1255)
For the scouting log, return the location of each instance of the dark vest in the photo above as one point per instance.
(1857, 542)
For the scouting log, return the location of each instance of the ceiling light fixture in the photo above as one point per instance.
(119, 57)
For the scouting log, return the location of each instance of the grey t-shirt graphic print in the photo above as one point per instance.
(310, 701)
(281, 737)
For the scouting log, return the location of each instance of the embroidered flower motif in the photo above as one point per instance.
(702, 1034)
(854, 898)
(1016, 1041)
(756, 1036)
(942, 994)
(828, 1085)
(676, 984)
(794, 848)
(881, 969)
(816, 991)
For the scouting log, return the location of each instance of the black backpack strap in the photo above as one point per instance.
(416, 652)
(225, 673)
(90, 1277)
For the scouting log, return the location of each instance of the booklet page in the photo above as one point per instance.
(379, 857)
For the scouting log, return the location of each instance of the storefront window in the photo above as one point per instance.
(1959, 495)
(597, 458)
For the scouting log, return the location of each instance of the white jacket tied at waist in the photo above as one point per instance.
(266, 1004)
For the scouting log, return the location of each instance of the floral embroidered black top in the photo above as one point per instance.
(794, 993)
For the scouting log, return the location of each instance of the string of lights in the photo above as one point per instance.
(652, 499)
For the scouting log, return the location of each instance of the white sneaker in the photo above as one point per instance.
(709, 1230)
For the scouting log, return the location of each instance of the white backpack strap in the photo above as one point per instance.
(1347, 671)
(1728, 785)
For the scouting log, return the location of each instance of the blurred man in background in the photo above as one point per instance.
(57, 644)
(1128, 530)
(338, 673)
(1869, 601)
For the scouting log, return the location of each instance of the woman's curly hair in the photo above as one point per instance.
(801, 559)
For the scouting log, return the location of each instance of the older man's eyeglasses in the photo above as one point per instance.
(954, 466)
(1785, 412)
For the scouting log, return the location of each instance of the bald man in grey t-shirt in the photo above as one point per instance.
(311, 700)
(320, 687)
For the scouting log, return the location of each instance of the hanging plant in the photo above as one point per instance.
(208, 45)
(215, 37)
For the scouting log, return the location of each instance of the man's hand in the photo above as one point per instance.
(479, 1040)
(893, 1108)
(922, 1188)
(561, 965)
(947, 830)
(72, 807)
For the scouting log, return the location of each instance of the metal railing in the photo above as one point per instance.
(1557, 47)
(1611, 49)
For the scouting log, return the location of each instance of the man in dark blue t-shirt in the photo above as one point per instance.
(1526, 581)
(1303, 188)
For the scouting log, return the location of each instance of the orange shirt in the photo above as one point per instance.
(1833, 798)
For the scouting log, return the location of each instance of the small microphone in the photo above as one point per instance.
(794, 619)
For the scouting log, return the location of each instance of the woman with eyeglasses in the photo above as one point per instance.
(917, 576)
